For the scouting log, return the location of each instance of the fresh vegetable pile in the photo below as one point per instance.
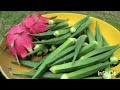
(65, 52)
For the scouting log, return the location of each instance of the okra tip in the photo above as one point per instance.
(56, 33)
(50, 22)
(53, 69)
(82, 58)
(72, 29)
(64, 76)
(96, 43)
(107, 75)
(73, 40)
(37, 46)
(114, 59)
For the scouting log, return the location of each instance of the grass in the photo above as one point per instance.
(10, 18)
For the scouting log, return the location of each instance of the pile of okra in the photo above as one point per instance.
(71, 52)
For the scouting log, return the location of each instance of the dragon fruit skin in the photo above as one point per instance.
(36, 23)
(38, 28)
(18, 41)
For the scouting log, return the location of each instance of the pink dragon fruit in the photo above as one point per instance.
(36, 23)
(18, 41)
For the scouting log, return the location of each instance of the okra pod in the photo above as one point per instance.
(54, 41)
(69, 57)
(78, 24)
(83, 63)
(99, 37)
(90, 35)
(44, 66)
(81, 73)
(82, 28)
(46, 75)
(59, 26)
(81, 39)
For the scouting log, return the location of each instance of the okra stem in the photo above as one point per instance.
(55, 21)
(78, 24)
(82, 28)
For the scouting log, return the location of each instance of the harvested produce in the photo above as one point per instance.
(90, 35)
(40, 48)
(27, 63)
(82, 28)
(83, 63)
(19, 42)
(78, 24)
(54, 41)
(81, 39)
(49, 60)
(85, 71)
(48, 75)
(99, 37)
(62, 51)
(36, 23)
(69, 57)
(61, 32)
(59, 26)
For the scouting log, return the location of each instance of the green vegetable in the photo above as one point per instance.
(90, 35)
(40, 62)
(64, 53)
(85, 44)
(55, 21)
(51, 33)
(97, 51)
(107, 75)
(114, 59)
(69, 57)
(88, 48)
(61, 32)
(107, 69)
(46, 75)
(45, 51)
(53, 47)
(24, 73)
(59, 26)
(81, 73)
(39, 53)
(78, 24)
(43, 35)
(26, 63)
(82, 28)
(99, 37)
(54, 41)
(36, 46)
(83, 63)
(40, 48)
(105, 43)
(81, 39)
(44, 66)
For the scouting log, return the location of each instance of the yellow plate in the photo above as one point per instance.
(111, 34)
